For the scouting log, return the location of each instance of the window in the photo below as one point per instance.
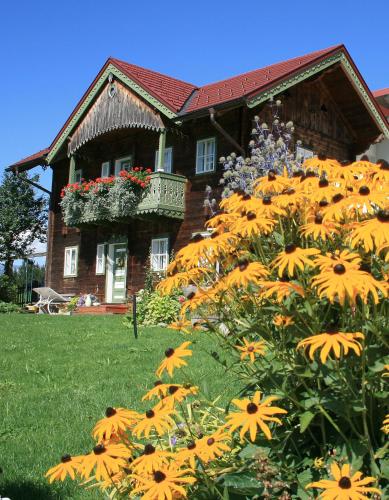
(167, 164)
(303, 153)
(100, 258)
(123, 164)
(71, 261)
(105, 169)
(159, 254)
(78, 175)
(205, 155)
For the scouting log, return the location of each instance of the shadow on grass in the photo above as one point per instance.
(27, 490)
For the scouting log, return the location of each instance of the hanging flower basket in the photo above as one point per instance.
(103, 200)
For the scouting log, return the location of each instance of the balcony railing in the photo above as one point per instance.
(164, 196)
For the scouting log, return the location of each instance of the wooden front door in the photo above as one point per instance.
(116, 290)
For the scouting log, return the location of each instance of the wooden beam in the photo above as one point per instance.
(161, 151)
(32, 183)
(72, 169)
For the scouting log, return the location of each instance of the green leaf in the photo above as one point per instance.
(242, 482)
(305, 420)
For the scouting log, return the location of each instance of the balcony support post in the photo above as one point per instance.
(161, 151)
(72, 169)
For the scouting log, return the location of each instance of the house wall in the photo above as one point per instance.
(322, 131)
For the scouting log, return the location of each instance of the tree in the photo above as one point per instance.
(23, 219)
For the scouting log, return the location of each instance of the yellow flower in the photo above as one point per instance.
(254, 414)
(386, 368)
(271, 183)
(107, 459)
(318, 229)
(294, 257)
(150, 460)
(344, 486)
(179, 279)
(117, 420)
(318, 463)
(250, 349)
(163, 484)
(282, 289)
(177, 393)
(69, 466)
(252, 224)
(372, 233)
(182, 325)
(245, 273)
(173, 359)
(328, 341)
(283, 321)
(158, 391)
(385, 427)
(321, 163)
(213, 446)
(189, 454)
(350, 260)
(158, 419)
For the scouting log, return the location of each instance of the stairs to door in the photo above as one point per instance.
(104, 309)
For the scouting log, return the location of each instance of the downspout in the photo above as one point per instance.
(224, 133)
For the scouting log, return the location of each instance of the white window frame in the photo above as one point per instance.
(67, 264)
(100, 258)
(168, 160)
(203, 163)
(105, 169)
(119, 161)
(78, 175)
(159, 260)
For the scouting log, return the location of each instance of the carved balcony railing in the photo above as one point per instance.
(165, 196)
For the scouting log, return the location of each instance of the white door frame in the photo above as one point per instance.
(109, 271)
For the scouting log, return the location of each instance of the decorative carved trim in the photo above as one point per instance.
(303, 75)
(111, 69)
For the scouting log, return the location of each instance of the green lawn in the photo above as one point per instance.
(57, 376)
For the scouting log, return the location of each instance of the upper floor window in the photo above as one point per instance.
(168, 160)
(78, 175)
(205, 155)
(159, 254)
(71, 261)
(105, 169)
(124, 163)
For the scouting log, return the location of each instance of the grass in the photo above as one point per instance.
(57, 376)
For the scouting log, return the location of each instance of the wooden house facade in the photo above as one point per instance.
(131, 116)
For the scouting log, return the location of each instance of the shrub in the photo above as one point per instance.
(8, 288)
(153, 308)
(8, 307)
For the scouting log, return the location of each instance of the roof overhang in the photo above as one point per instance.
(35, 160)
(352, 73)
(90, 96)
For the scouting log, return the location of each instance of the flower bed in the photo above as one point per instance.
(107, 199)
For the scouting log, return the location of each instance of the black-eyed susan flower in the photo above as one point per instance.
(269, 209)
(319, 229)
(181, 325)
(344, 486)
(180, 279)
(223, 221)
(158, 419)
(372, 233)
(173, 359)
(213, 446)
(251, 349)
(334, 341)
(158, 391)
(320, 163)
(116, 420)
(245, 273)
(294, 257)
(281, 289)
(176, 393)
(252, 224)
(189, 454)
(385, 425)
(69, 466)
(283, 321)
(350, 260)
(150, 460)
(163, 484)
(254, 414)
(271, 183)
(106, 459)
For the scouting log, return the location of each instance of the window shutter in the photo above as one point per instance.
(100, 259)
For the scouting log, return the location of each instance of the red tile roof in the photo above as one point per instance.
(251, 82)
(166, 89)
(380, 92)
(32, 160)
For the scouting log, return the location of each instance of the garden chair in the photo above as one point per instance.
(49, 300)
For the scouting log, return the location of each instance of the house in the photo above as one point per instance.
(380, 150)
(131, 116)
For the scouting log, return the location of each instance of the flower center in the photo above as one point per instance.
(339, 269)
(190, 297)
(66, 458)
(99, 449)
(323, 203)
(172, 389)
(169, 352)
(159, 476)
(157, 383)
(271, 176)
(323, 183)
(149, 449)
(150, 414)
(191, 445)
(250, 348)
(210, 441)
(252, 408)
(110, 412)
(266, 200)
(338, 197)
(290, 191)
(246, 197)
(251, 216)
(243, 265)
(384, 165)
(322, 157)
(298, 173)
(318, 219)
(290, 248)
(383, 216)
(364, 190)
(344, 483)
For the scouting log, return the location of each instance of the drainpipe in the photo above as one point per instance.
(219, 128)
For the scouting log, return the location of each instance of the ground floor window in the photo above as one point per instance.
(159, 254)
(71, 261)
(100, 258)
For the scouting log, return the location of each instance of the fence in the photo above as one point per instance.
(26, 294)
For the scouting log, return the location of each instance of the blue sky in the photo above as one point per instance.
(50, 51)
